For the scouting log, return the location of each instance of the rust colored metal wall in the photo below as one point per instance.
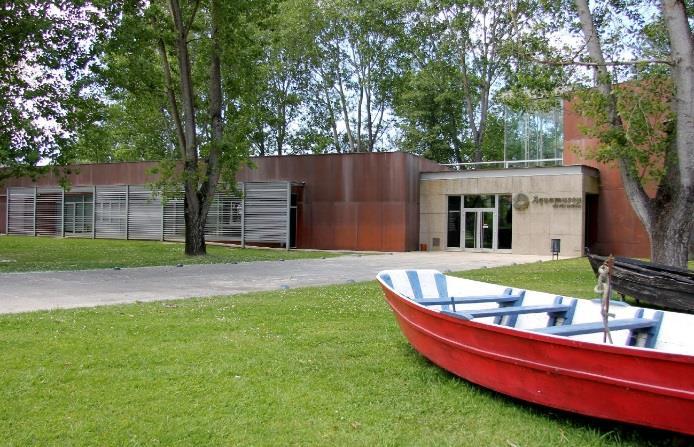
(365, 201)
(619, 230)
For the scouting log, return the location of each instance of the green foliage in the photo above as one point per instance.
(644, 139)
(124, 130)
(430, 102)
(358, 60)
(127, 112)
(465, 67)
(42, 58)
(314, 366)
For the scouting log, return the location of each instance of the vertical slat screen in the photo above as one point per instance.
(20, 211)
(224, 218)
(110, 212)
(174, 221)
(267, 212)
(260, 214)
(49, 211)
(145, 214)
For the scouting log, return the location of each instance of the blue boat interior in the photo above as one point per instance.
(643, 332)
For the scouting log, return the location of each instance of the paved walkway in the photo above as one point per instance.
(22, 292)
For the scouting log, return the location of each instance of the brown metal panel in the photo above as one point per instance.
(412, 235)
(394, 227)
(135, 173)
(369, 176)
(340, 187)
(370, 226)
(322, 225)
(345, 223)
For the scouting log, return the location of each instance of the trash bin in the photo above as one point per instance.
(555, 247)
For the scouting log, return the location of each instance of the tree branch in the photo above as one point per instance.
(189, 23)
(171, 94)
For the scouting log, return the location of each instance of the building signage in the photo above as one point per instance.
(521, 201)
(559, 202)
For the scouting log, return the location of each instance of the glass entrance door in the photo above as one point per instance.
(479, 222)
(479, 229)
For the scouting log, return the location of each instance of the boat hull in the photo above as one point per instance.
(637, 386)
(671, 289)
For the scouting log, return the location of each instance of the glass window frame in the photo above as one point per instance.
(479, 214)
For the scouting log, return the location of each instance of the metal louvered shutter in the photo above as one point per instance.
(78, 212)
(224, 217)
(49, 211)
(266, 212)
(21, 210)
(174, 221)
(110, 212)
(144, 214)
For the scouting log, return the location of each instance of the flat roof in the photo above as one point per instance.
(512, 172)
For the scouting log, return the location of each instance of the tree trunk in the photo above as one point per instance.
(682, 49)
(331, 117)
(456, 150)
(281, 129)
(369, 120)
(260, 138)
(670, 237)
(345, 113)
(195, 231)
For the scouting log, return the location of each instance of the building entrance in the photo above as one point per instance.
(479, 222)
(479, 229)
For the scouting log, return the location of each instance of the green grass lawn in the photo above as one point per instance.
(24, 254)
(315, 366)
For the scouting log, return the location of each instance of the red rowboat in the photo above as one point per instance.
(549, 350)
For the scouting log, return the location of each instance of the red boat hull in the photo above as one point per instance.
(637, 386)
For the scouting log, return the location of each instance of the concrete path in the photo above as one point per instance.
(22, 292)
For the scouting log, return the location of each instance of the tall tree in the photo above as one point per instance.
(285, 79)
(649, 122)
(472, 34)
(460, 64)
(355, 63)
(126, 128)
(198, 57)
(428, 104)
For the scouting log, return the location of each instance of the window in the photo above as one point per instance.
(453, 221)
(479, 201)
(505, 221)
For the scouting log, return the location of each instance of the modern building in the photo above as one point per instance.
(540, 192)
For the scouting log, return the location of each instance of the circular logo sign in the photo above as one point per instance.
(521, 201)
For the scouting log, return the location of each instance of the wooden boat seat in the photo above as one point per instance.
(507, 315)
(505, 298)
(644, 331)
(515, 310)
